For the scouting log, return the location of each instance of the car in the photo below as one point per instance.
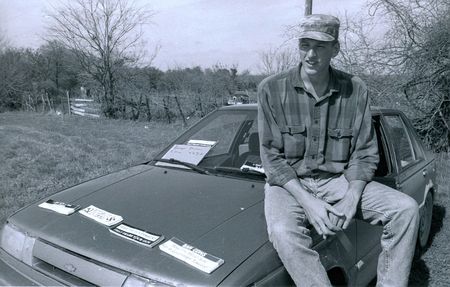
(194, 215)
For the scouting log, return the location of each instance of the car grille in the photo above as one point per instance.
(74, 269)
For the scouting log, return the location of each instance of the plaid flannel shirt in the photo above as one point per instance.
(301, 135)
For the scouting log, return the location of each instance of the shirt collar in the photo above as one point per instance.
(297, 81)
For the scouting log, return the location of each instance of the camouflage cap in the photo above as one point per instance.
(319, 27)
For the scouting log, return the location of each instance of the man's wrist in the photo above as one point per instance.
(356, 187)
(295, 189)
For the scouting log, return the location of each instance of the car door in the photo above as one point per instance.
(409, 157)
(403, 167)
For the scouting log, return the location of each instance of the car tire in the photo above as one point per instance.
(425, 219)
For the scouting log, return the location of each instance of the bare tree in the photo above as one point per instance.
(418, 46)
(277, 60)
(104, 35)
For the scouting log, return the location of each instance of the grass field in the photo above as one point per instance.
(42, 154)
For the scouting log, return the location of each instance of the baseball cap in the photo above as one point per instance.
(319, 27)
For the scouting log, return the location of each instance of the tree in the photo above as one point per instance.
(418, 49)
(277, 60)
(104, 35)
(54, 71)
(15, 78)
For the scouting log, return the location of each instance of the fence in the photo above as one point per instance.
(84, 107)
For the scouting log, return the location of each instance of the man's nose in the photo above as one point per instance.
(311, 53)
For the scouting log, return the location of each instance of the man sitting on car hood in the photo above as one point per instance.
(319, 152)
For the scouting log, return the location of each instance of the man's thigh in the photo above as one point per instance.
(379, 203)
(282, 209)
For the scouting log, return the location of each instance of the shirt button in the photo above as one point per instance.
(313, 157)
(315, 139)
(316, 121)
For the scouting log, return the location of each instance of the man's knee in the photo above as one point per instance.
(408, 208)
(277, 230)
(284, 231)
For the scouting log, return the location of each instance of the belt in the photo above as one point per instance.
(316, 174)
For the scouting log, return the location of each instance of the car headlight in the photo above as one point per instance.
(137, 281)
(17, 243)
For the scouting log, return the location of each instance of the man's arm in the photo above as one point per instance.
(348, 204)
(363, 160)
(277, 169)
(364, 154)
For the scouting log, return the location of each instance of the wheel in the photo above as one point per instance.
(426, 214)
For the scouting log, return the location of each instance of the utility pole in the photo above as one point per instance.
(308, 7)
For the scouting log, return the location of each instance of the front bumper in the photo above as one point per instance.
(15, 273)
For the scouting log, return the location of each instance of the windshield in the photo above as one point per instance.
(224, 142)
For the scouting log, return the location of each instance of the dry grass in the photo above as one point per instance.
(41, 154)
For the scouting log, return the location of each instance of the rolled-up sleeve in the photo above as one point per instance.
(364, 157)
(277, 169)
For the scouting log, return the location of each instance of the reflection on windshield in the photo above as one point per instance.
(233, 143)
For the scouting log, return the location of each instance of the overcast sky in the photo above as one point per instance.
(192, 32)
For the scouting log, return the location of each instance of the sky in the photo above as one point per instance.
(191, 32)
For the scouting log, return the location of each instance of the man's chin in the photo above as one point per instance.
(311, 71)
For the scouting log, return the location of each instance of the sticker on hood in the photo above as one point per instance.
(59, 207)
(137, 235)
(191, 255)
(101, 216)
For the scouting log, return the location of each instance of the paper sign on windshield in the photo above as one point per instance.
(193, 152)
(202, 143)
(191, 255)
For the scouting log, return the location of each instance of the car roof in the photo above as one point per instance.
(376, 110)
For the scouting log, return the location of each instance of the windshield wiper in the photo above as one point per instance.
(183, 163)
(235, 170)
(227, 169)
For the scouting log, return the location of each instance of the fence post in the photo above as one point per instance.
(68, 101)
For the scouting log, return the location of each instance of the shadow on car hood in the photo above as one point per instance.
(220, 215)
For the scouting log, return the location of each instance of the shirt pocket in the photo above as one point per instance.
(338, 147)
(294, 137)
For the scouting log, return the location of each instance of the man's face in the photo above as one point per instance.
(316, 55)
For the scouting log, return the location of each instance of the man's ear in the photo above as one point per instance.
(336, 48)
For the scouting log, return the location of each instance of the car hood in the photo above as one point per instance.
(222, 216)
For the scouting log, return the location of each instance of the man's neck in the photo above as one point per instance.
(317, 85)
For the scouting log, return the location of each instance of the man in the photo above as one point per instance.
(319, 152)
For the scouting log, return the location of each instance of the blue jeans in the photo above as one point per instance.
(287, 226)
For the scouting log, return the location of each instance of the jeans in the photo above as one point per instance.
(287, 226)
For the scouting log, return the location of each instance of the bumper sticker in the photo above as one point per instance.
(137, 235)
(101, 216)
(191, 255)
(59, 207)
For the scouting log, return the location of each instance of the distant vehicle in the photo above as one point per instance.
(239, 98)
(194, 215)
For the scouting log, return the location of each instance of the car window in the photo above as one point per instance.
(223, 130)
(384, 164)
(245, 146)
(231, 134)
(401, 141)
